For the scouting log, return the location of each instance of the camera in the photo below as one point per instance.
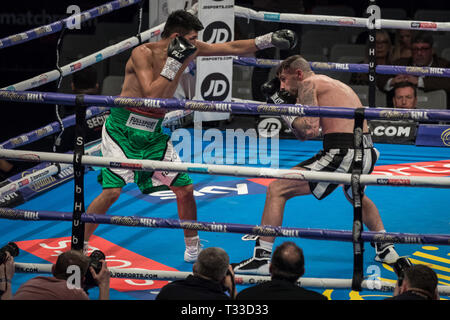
(94, 262)
(13, 250)
(400, 266)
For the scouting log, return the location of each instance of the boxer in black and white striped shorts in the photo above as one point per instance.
(337, 156)
(296, 83)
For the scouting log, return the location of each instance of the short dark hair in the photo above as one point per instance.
(288, 262)
(212, 263)
(422, 277)
(406, 84)
(182, 22)
(70, 258)
(294, 62)
(422, 37)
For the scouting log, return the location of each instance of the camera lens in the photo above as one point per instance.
(13, 250)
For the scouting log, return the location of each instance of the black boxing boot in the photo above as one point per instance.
(258, 264)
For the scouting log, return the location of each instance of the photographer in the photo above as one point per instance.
(415, 282)
(212, 279)
(6, 274)
(66, 283)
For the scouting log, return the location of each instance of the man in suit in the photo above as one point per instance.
(212, 279)
(286, 267)
(405, 95)
(422, 56)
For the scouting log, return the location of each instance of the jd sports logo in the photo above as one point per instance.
(215, 87)
(269, 127)
(217, 32)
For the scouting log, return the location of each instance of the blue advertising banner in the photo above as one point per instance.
(433, 135)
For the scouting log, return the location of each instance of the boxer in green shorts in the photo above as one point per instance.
(153, 71)
(130, 135)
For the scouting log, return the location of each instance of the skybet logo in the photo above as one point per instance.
(206, 191)
(210, 190)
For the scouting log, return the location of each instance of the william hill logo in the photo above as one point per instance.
(445, 137)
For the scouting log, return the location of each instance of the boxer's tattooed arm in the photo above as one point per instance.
(307, 127)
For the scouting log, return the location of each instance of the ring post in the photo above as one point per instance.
(358, 243)
(77, 241)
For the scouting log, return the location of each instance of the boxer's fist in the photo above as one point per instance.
(270, 87)
(271, 90)
(178, 51)
(282, 39)
(282, 97)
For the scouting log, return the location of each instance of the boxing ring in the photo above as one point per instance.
(142, 260)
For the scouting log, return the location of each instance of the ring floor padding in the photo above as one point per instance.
(240, 200)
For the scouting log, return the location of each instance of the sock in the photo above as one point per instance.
(191, 241)
(382, 245)
(266, 245)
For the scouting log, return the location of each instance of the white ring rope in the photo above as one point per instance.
(339, 21)
(228, 170)
(84, 62)
(33, 178)
(149, 165)
(90, 59)
(239, 12)
(132, 273)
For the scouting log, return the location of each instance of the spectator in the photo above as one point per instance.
(405, 96)
(419, 283)
(6, 275)
(286, 267)
(212, 278)
(402, 46)
(58, 286)
(383, 56)
(422, 56)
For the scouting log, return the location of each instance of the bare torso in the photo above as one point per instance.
(156, 53)
(334, 93)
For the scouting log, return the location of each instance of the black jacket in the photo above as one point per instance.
(192, 288)
(410, 295)
(278, 290)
